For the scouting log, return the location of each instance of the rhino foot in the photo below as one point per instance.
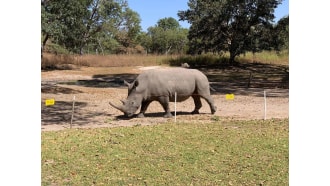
(168, 115)
(195, 112)
(140, 115)
(214, 110)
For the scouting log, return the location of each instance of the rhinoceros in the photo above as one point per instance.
(160, 85)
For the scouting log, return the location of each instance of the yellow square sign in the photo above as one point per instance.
(230, 96)
(49, 102)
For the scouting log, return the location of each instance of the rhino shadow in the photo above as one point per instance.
(156, 115)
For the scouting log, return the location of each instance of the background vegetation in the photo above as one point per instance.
(111, 27)
(65, 61)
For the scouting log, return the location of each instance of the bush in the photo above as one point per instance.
(200, 60)
(61, 62)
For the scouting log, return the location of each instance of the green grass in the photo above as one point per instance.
(223, 152)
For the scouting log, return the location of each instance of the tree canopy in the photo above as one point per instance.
(167, 36)
(281, 33)
(75, 24)
(235, 26)
(110, 26)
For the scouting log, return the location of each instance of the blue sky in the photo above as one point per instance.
(151, 11)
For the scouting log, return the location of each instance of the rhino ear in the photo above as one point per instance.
(136, 83)
(126, 83)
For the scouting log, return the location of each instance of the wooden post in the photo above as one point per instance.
(249, 82)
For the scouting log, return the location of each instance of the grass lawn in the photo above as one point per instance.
(224, 152)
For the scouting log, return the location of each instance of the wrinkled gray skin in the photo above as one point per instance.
(161, 84)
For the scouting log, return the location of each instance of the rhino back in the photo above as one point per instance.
(167, 81)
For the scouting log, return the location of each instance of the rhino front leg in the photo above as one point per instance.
(144, 107)
(164, 101)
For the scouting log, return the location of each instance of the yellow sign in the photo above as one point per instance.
(230, 96)
(50, 102)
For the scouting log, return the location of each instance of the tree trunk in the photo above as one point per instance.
(98, 40)
(81, 51)
(44, 44)
(232, 58)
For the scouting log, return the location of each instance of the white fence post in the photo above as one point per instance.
(265, 105)
(175, 107)
(74, 97)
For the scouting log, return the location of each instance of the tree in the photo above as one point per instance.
(129, 29)
(228, 25)
(281, 33)
(146, 41)
(74, 24)
(168, 23)
(166, 37)
(58, 18)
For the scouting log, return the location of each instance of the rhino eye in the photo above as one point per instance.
(134, 105)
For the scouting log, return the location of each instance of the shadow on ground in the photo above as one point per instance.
(242, 78)
(61, 112)
(54, 89)
(104, 80)
(249, 79)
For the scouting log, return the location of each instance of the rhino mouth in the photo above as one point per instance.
(129, 115)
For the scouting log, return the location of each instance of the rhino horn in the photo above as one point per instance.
(121, 108)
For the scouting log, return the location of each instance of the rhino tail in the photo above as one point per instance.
(212, 89)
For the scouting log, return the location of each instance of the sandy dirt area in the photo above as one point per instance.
(94, 87)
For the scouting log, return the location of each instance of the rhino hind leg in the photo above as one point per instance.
(198, 104)
(210, 101)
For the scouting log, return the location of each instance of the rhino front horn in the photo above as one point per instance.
(117, 107)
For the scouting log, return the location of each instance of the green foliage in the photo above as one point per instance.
(168, 23)
(76, 24)
(218, 153)
(281, 34)
(199, 60)
(167, 37)
(63, 21)
(108, 27)
(229, 26)
(57, 49)
(209, 59)
(128, 32)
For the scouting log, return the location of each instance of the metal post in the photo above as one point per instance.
(265, 105)
(175, 107)
(74, 97)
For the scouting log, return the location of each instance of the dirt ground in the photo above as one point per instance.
(94, 87)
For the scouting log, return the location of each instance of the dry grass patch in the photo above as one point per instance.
(51, 61)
